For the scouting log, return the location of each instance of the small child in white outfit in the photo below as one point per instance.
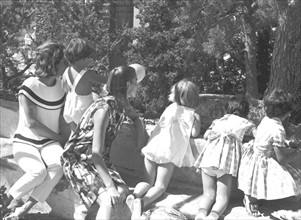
(168, 146)
(220, 158)
(77, 81)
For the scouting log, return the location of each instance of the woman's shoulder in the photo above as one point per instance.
(31, 84)
(31, 81)
(106, 102)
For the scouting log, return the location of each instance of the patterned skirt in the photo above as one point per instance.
(221, 152)
(262, 177)
(86, 181)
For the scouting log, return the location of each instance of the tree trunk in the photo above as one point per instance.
(264, 51)
(250, 52)
(3, 83)
(121, 15)
(286, 60)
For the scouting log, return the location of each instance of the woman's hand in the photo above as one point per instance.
(115, 196)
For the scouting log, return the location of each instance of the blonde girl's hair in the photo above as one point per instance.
(185, 93)
(48, 55)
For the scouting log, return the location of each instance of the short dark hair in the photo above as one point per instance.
(238, 105)
(278, 103)
(48, 55)
(78, 49)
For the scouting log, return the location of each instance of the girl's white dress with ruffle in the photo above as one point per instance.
(260, 174)
(169, 141)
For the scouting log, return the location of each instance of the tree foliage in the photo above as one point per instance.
(224, 46)
(63, 20)
(50, 20)
(14, 21)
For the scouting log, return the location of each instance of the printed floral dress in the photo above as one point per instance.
(81, 172)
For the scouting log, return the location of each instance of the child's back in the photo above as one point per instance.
(76, 103)
(231, 124)
(270, 133)
(224, 139)
(169, 141)
(77, 81)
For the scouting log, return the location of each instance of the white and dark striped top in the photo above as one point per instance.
(49, 101)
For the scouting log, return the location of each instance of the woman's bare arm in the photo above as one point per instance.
(101, 120)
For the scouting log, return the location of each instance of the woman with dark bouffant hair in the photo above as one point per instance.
(37, 143)
(86, 156)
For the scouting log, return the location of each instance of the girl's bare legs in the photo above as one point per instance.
(164, 174)
(105, 208)
(150, 172)
(208, 196)
(223, 192)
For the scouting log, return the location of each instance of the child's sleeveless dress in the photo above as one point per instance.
(82, 174)
(75, 104)
(169, 141)
(260, 174)
(223, 146)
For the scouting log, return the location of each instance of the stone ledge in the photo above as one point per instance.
(63, 202)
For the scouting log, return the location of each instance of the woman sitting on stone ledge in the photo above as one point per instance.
(86, 156)
(37, 143)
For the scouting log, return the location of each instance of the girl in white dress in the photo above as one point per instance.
(220, 158)
(168, 146)
(77, 81)
(264, 172)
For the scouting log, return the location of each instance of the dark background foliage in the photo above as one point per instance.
(204, 41)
